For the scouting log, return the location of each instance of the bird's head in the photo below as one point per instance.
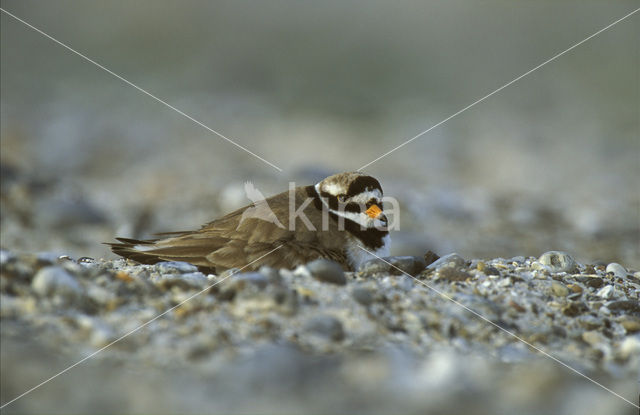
(354, 196)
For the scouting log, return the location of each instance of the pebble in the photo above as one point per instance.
(450, 260)
(362, 295)
(630, 323)
(487, 269)
(100, 333)
(327, 271)
(394, 265)
(575, 288)
(630, 346)
(6, 256)
(606, 292)
(47, 258)
(271, 273)
(590, 322)
(257, 279)
(616, 269)
(624, 305)
(182, 281)
(592, 337)
(326, 326)
(172, 267)
(559, 290)
(412, 265)
(592, 281)
(575, 308)
(53, 280)
(450, 273)
(100, 295)
(557, 261)
(430, 257)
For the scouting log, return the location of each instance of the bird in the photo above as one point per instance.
(340, 218)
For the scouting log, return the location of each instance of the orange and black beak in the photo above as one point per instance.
(374, 212)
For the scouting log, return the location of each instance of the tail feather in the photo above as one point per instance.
(187, 249)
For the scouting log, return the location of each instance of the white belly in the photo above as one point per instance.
(357, 256)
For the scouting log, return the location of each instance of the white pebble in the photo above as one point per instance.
(50, 281)
(558, 261)
(605, 292)
(617, 270)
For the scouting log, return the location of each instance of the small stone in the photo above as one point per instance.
(255, 278)
(489, 270)
(574, 296)
(559, 290)
(505, 282)
(326, 326)
(412, 265)
(591, 281)
(44, 259)
(124, 276)
(575, 288)
(453, 274)
(172, 267)
(592, 337)
(327, 271)
(430, 257)
(616, 269)
(362, 295)
(374, 266)
(517, 307)
(393, 265)
(182, 281)
(271, 273)
(630, 323)
(625, 305)
(575, 308)
(101, 333)
(630, 346)
(544, 269)
(100, 295)
(6, 256)
(82, 260)
(53, 280)
(452, 260)
(606, 292)
(558, 261)
(589, 322)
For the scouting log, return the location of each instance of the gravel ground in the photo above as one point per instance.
(549, 163)
(320, 340)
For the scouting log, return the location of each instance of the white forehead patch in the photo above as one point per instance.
(332, 188)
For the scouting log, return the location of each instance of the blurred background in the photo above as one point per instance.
(551, 162)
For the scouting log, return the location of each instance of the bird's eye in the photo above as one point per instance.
(342, 198)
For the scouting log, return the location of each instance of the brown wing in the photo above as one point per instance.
(236, 240)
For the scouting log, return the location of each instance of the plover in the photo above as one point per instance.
(327, 220)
